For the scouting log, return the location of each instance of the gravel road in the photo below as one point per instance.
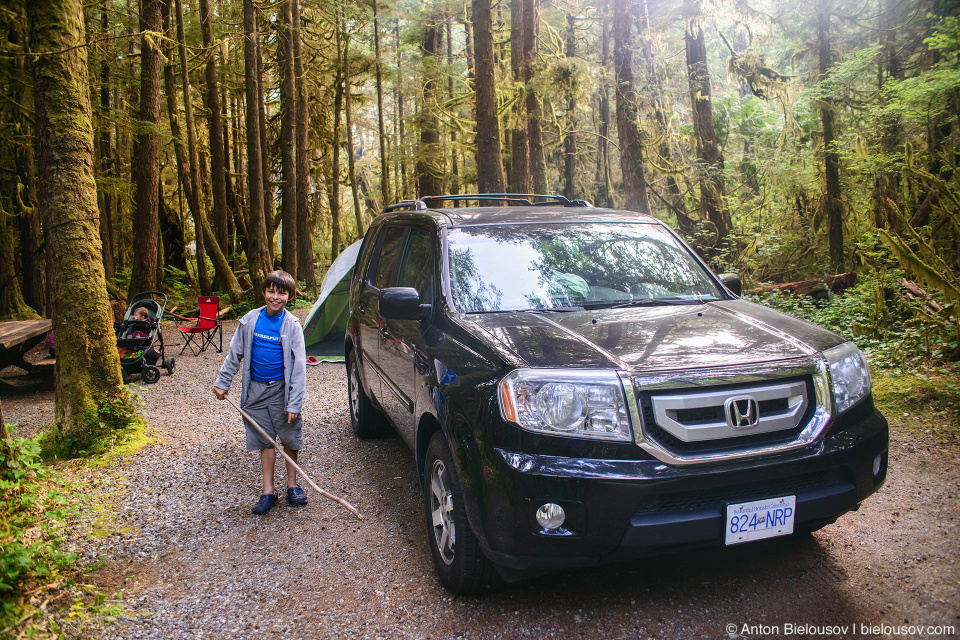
(170, 533)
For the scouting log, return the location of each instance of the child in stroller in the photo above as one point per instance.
(140, 340)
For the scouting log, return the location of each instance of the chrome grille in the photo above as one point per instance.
(698, 420)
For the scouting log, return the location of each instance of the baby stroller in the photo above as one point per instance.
(140, 340)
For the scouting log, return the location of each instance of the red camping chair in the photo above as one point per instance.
(205, 329)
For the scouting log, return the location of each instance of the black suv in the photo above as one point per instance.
(578, 388)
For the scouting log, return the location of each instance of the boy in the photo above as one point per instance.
(269, 342)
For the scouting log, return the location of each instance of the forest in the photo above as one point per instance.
(194, 145)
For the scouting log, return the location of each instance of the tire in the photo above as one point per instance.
(149, 374)
(457, 556)
(170, 365)
(367, 421)
(124, 376)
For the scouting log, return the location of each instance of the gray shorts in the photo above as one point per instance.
(266, 403)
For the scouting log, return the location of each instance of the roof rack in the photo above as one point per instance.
(431, 202)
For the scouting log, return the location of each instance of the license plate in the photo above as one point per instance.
(760, 519)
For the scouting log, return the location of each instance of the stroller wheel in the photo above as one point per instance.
(170, 365)
(149, 373)
(124, 376)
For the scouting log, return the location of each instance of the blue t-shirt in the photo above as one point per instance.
(266, 356)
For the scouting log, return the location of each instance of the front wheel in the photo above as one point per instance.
(366, 420)
(149, 373)
(457, 556)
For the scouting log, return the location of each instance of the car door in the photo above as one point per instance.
(381, 272)
(402, 358)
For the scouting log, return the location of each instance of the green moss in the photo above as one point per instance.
(107, 425)
(920, 402)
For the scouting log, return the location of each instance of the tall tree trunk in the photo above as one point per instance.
(333, 186)
(519, 148)
(569, 139)
(454, 163)
(531, 64)
(32, 263)
(351, 156)
(288, 126)
(429, 155)
(146, 155)
(888, 202)
(401, 140)
(258, 256)
(106, 213)
(831, 202)
(179, 150)
(489, 166)
(604, 174)
(88, 389)
(268, 198)
(305, 268)
(200, 213)
(712, 202)
(628, 111)
(655, 90)
(381, 125)
(219, 170)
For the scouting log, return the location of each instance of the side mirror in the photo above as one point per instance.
(732, 282)
(402, 303)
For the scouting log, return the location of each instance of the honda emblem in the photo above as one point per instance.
(743, 412)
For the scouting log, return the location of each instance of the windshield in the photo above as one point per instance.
(567, 266)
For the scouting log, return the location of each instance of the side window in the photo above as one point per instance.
(383, 266)
(417, 267)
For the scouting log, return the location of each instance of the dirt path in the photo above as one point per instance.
(187, 560)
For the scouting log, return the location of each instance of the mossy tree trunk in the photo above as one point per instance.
(305, 268)
(490, 177)
(712, 192)
(831, 199)
(258, 256)
(146, 152)
(288, 127)
(531, 66)
(628, 111)
(429, 153)
(519, 147)
(87, 372)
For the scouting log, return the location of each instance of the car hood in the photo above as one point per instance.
(669, 337)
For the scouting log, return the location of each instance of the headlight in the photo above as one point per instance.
(583, 404)
(850, 375)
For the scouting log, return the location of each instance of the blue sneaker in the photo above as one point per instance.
(265, 503)
(296, 496)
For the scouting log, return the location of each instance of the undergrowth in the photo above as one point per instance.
(879, 315)
(33, 566)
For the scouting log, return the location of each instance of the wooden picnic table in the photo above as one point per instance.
(16, 339)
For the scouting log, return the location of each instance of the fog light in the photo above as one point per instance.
(877, 463)
(550, 516)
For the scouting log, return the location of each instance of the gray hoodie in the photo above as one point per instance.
(294, 359)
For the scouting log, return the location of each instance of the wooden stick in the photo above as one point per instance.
(343, 502)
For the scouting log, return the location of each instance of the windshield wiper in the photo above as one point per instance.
(657, 302)
(552, 309)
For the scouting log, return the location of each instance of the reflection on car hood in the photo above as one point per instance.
(656, 338)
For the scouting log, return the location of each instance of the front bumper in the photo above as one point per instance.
(625, 509)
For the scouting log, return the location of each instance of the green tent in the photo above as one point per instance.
(325, 326)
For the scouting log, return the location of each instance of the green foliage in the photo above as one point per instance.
(32, 512)
(878, 314)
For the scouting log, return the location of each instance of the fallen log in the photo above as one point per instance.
(915, 291)
(811, 287)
